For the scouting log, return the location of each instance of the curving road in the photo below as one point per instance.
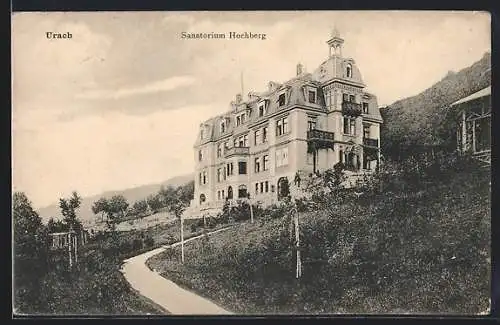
(164, 292)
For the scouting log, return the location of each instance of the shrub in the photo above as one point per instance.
(149, 241)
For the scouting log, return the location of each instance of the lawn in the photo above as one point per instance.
(427, 251)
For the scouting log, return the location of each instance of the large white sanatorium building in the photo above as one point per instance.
(306, 124)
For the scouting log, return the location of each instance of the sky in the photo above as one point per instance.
(119, 104)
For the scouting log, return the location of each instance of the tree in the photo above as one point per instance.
(140, 207)
(68, 210)
(155, 202)
(117, 208)
(100, 207)
(167, 195)
(186, 192)
(56, 226)
(30, 251)
(114, 209)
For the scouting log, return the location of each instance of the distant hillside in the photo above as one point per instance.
(422, 119)
(131, 194)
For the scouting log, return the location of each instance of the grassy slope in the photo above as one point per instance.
(425, 253)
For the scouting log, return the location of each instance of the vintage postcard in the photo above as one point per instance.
(251, 163)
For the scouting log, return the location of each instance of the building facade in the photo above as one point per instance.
(474, 124)
(304, 125)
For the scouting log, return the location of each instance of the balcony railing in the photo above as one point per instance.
(370, 142)
(351, 109)
(320, 135)
(236, 151)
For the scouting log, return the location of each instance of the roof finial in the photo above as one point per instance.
(335, 32)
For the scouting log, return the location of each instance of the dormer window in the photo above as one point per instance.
(222, 127)
(348, 71)
(240, 119)
(281, 100)
(312, 96)
(365, 108)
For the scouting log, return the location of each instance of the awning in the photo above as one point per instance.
(482, 93)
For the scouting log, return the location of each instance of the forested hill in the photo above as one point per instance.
(423, 119)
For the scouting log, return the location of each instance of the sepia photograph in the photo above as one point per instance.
(251, 163)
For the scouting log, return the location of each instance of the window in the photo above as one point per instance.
(352, 98)
(345, 97)
(222, 194)
(201, 179)
(202, 198)
(205, 178)
(329, 99)
(349, 71)
(257, 165)
(222, 127)
(242, 167)
(241, 141)
(341, 156)
(365, 108)
(265, 162)
(312, 96)
(219, 175)
(242, 191)
(349, 126)
(311, 123)
(218, 195)
(200, 155)
(256, 188)
(229, 169)
(261, 110)
(282, 157)
(266, 186)
(219, 150)
(264, 134)
(238, 120)
(366, 130)
(282, 126)
(281, 100)
(258, 139)
(226, 146)
(261, 187)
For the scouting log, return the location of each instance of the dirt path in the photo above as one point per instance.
(164, 292)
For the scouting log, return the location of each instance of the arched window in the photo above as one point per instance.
(283, 188)
(230, 193)
(349, 71)
(242, 191)
(202, 198)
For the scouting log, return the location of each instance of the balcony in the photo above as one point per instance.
(318, 139)
(351, 109)
(320, 135)
(236, 151)
(370, 142)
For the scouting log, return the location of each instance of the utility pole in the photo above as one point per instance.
(182, 240)
(251, 207)
(75, 239)
(69, 250)
(298, 272)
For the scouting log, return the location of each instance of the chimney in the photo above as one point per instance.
(300, 69)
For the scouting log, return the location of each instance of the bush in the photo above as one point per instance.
(149, 241)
